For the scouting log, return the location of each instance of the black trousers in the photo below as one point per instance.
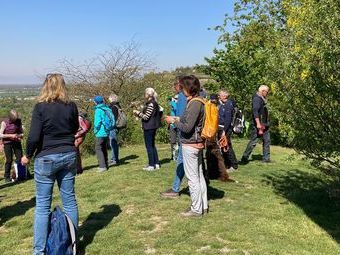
(10, 149)
(230, 159)
(101, 151)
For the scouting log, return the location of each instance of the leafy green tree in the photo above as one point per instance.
(292, 46)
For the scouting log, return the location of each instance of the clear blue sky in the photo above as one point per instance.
(36, 34)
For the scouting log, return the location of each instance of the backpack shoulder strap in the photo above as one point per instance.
(198, 99)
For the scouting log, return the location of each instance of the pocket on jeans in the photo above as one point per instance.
(45, 167)
(72, 163)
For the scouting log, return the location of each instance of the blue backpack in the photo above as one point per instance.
(109, 119)
(62, 234)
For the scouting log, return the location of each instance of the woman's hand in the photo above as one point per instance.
(25, 161)
(135, 112)
(169, 119)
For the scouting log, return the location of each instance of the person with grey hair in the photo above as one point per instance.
(260, 127)
(151, 121)
(226, 110)
(113, 137)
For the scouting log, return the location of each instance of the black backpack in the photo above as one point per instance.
(237, 121)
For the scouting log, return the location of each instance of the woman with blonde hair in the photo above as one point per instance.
(51, 141)
(151, 120)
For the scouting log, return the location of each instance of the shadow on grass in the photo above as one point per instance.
(212, 193)
(124, 161)
(165, 161)
(309, 192)
(94, 223)
(257, 157)
(19, 208)
(6, 185)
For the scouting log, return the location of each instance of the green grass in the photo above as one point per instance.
(279, 208)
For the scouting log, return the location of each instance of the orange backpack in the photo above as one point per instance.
(210, 122)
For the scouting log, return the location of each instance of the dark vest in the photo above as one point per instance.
(155, 120)
(12, 128)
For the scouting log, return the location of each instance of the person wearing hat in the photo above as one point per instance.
(101, 133)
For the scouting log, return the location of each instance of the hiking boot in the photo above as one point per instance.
(170, 193)
(191, 214)
(243, 161)
(101, 169)
(149, 168)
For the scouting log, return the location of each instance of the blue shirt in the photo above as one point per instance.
(181, 104)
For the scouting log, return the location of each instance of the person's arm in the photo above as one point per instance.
(148, 113)
(35, 134)
(187, 125)
(256, 111)
(97, 122)
(228, 116)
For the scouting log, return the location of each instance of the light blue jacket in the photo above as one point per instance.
(99, 115)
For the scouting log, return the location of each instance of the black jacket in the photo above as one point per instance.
(53, 129)
(225, 114)
(260, 110)
(151, 115)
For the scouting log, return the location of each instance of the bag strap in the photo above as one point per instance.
(72, 233)
(197, 99)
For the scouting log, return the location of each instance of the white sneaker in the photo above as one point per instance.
(149, 168)
(231, 169)
(157, 166)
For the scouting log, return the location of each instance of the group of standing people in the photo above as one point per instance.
(54, 141)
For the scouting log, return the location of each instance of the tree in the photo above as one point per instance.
(292, 46)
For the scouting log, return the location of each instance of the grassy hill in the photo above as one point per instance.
(278, 208)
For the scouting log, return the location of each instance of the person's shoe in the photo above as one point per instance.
(157, 166)
(191, 214)
(101, 169)
(113, 163)
(170, 193)
(231, 169)
(267, 161)
(243, 161)
(149, 168)
(8, 180)
(206, 211)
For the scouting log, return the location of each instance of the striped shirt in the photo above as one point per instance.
(148, 112)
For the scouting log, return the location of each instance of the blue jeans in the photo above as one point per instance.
(149, 138)
(114, 145)
(47, 169)
(179, 170)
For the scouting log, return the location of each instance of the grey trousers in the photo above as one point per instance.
(192, 161)
(252, 143)
(101, 151)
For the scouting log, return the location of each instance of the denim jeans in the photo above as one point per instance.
(48, 169)
(149, 138)
(253, 141)
(114, 145)
(179, 170)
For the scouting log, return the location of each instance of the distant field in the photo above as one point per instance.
(22, 92)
